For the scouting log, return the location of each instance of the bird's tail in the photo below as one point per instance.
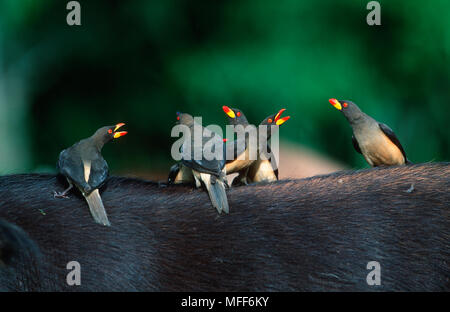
(216, 191)
(97, 209)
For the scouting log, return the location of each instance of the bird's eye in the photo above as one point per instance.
(238, 114)
(270, 120)
(109, 131)
(345, 104)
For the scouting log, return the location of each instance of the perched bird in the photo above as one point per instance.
(375, 141)
(209, 171)
(241, 159)
(264, 170)
(259, 169)
(83, 166)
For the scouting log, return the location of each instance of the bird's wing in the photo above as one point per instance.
(391, 135)
(71, 166)
(213, 166)
(204, 166)
(356, 144)
(99, 173)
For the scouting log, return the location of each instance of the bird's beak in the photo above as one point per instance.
(228, 111)
(279, 121)
(336, 104)
(120, 133)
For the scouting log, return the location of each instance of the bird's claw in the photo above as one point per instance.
(60, 195)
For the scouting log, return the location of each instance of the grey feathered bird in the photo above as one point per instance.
(239, 149)
(263, 170)
(374, 140)
(83, 166)
(209, 171)
(259, 169)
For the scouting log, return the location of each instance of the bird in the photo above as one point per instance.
(374, 140)
(266, 170)
(84, 166)
(259, 169)
(210, 172)
(239, 149)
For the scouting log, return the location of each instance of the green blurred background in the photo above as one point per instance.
(139, 62)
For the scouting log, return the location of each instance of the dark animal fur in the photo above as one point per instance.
(313, 234)
(20, 258)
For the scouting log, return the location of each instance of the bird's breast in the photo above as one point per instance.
(261, 170)
(378, 149)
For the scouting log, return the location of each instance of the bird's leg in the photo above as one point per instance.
(64, 193)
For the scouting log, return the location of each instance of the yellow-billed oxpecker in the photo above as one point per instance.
(263, 170)
(252, 170)
(374, 140)
(209, 171)
(83, 166)
(241, 151)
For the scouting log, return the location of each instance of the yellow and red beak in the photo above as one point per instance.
(335, 103)
(229, 112)
(279, 121)
(120, 133)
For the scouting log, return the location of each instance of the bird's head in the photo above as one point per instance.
(108, 133)
(275, 119)
(350, 110)
(184, 119)
(235, 116)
